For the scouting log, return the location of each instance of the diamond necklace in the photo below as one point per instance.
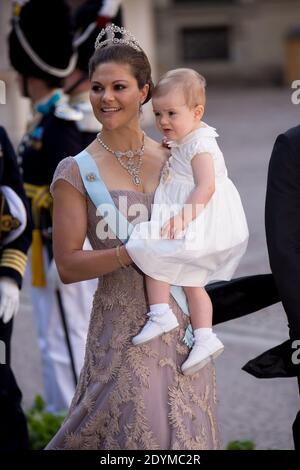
(130, 166)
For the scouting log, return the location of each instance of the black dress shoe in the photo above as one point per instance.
(276, 362)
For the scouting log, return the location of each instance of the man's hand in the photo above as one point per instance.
(9, 299)
(173, 228)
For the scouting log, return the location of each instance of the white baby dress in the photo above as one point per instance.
(213, 244)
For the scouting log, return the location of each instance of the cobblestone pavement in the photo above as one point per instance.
(248, 122)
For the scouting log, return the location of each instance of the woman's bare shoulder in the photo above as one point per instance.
(94, 149)
(157, 150)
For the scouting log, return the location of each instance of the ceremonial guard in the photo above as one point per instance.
(41, 51)
(15, 239)
(88, 19)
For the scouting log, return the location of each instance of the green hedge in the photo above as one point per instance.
(42, 425)
(240, 445)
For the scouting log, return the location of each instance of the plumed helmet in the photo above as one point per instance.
(40, 42)
(88, 22)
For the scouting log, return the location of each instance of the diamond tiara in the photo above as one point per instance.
(111, 30)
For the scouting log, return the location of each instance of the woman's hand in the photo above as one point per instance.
(173, 228)
(125, 256)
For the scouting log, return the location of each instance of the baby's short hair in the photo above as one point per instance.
(191, 82)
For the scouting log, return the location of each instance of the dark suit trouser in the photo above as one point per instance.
(13, 426)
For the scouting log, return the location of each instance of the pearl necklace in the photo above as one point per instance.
(130, 166)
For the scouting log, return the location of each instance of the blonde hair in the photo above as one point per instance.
(191, 82)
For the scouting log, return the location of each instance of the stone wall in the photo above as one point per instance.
(256, 37)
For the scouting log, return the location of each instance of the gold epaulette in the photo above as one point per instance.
(14, 259)
(40, 198)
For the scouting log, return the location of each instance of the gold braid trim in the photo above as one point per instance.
(40, 199)
(14, 259)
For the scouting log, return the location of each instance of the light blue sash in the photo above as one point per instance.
(116, 221)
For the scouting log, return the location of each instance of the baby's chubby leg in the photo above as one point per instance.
(158, 291)
(206, 344)
(161, 318)
(200, 307)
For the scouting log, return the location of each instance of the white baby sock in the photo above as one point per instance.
(201, 334)
(159, 309)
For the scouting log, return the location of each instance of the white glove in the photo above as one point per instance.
(9, 298)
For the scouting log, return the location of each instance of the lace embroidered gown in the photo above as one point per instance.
(132, 397)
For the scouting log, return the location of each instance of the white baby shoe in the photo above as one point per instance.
(202, 352)
(156, 326)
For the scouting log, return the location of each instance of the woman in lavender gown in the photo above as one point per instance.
(127, 397)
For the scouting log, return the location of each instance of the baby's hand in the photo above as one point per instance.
(173, 228)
